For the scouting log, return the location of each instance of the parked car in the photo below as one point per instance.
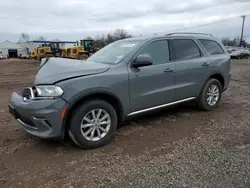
(88, 99)
(247, 53)
(238, 52)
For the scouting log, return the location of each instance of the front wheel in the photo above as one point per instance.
(93, 124)
(49, 55)
(210, 95)
(83, 57)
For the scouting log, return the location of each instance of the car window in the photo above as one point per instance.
(158, 50)
(184, 49)
(212, 47)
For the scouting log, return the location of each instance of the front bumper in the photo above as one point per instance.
(227, 81)
(41, 118)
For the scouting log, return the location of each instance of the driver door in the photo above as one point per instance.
(153, 85)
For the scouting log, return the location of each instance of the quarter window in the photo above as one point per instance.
(184, 49)
(158, 50)
(212, 47)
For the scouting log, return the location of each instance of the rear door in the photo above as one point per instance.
(152, 85)
(220, 61)
(191, 67)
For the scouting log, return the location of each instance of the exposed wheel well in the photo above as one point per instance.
(103, 96)
(220, 78)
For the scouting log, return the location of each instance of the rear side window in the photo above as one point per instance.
(158, 50)
(212, 47)
(184, 49)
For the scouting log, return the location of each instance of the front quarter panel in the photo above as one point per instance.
(114, 82)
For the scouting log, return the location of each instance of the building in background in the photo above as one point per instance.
(10, 49)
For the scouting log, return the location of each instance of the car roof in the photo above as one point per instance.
(174, 35)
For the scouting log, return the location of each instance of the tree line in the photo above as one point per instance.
(233, 42)
(118, 34)
(99, 40)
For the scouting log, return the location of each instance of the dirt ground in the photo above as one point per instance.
(178, 147)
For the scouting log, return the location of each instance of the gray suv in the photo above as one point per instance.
(88, 99)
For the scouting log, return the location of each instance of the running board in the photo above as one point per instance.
(161, 106)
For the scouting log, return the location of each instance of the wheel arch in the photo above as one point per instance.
(103, 95)
(218, 77)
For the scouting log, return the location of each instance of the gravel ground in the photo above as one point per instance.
(178, 147)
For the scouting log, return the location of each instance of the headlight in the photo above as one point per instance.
(49, 91)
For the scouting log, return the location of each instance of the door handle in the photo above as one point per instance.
(205, 64)
(168, 70)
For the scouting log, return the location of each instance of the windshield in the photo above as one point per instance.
(86, 42)
(114, 52)
(54, 45)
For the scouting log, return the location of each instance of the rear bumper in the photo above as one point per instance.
(41, 118)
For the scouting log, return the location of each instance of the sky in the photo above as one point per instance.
(77, 19)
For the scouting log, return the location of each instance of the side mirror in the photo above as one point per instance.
(142, 61)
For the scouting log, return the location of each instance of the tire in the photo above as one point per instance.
(49, 55)
(203, 98)
(83, 57)
(76, 132)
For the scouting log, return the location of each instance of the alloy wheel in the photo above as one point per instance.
(213, 95)
(95, 124)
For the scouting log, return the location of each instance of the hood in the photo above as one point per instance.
(57, 69)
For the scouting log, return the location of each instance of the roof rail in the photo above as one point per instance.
(189, 33)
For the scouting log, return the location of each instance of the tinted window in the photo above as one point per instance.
(158, 50)
(184, 49)
(212, 47)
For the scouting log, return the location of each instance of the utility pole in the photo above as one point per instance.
(242, 30)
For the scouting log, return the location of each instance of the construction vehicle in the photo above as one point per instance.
(88, 46)
(32, 54)
(49, 49)
(76, 52)
(81, 51)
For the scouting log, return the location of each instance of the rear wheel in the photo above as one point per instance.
(83, 57)
(93, 124)
(210, 95)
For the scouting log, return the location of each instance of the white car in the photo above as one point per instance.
(238, 52)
